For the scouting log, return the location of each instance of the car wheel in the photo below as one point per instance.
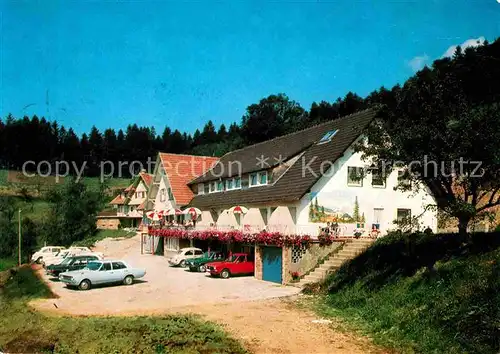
(182, 264)
(84, 285)
(39, 260)
(225, 274)
(202, 268)
(129, 280)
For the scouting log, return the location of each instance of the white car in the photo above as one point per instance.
(81, 250)
(46, 251)
(184, 254)
(102, 272)
(61, 256)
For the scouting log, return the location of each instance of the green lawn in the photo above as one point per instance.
(3, 177)
(101, 235)
(6, 263)
(389, 293)
(32, 183)
(26, 331)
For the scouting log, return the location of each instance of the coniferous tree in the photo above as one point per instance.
(355, 214)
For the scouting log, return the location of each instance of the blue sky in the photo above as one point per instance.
(180, 64)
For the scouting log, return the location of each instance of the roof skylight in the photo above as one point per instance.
(328, 136)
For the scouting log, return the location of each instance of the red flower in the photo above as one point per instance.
(265, 238)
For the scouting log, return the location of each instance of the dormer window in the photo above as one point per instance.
(233, 183)
(263, 178)
(216, 186)
(328, 136)
(201, 188)
(258, 179)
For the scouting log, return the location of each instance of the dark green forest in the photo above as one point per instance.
(38, 139)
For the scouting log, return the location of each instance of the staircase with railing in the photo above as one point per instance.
(351, 249)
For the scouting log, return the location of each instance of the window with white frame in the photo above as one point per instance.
(170, 195)
(213, 187)
(220, 186)
(172, 244)
(404, 178)
(257, 179)
(378, 179)
(233, 183)
(201, 188)
(403, 215)
(355, 176)
(163, 195)
(237, 182)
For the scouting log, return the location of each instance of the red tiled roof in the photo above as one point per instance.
(181, 169)
(129, 188)
(147, 178)
(118, 200)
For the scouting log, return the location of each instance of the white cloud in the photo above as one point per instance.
(418, 62)
(473, 42)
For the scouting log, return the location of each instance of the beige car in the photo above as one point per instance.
(184, 254)
(47, 251)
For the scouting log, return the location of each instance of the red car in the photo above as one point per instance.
(238, 263)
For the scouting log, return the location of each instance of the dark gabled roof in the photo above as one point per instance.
(296, 181)
(276, 150)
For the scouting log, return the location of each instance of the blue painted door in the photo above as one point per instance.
(271, 264)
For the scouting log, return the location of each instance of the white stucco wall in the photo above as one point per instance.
(333, 192)
(228, 220)
(164, 204)
(134, 200)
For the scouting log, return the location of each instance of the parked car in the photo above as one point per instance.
(238, 263)
(183, 255)
(82, 250)
(102, 272)
(70, 263)
(61, 256)
(199, 264)
(45, 252)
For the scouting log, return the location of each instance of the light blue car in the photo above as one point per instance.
(102, 272)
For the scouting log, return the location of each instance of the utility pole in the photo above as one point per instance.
(19, 247)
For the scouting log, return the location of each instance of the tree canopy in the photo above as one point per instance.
(443, 126)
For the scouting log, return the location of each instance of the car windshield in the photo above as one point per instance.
(94, 265)
(66, 260)
(233, 258)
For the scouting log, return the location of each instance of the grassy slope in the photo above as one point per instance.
(388, 293)
(102, 234)
(25, 330)
(6, 263)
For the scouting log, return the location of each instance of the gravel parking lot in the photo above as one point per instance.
(162, 288)
(250, 309)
